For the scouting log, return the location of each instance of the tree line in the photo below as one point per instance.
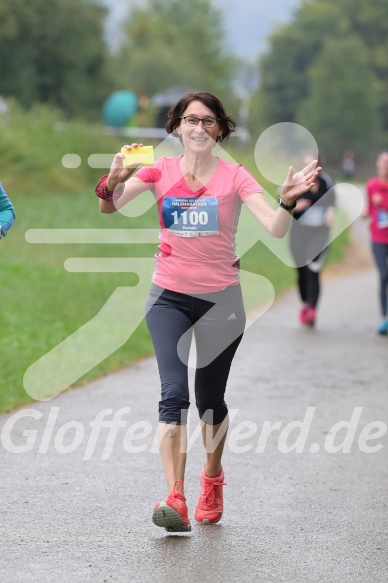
(54, 52)
(327, 69)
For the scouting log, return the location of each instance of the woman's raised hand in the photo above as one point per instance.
(297, 183)
(117, 172)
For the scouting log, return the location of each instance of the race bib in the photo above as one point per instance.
(382, 219)
(313, 217)
(190, 217)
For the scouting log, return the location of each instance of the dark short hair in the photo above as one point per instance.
(227, 124)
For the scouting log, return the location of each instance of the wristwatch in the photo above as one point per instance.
(287, 207)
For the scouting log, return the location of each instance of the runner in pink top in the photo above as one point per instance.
(377, 203)
(195, 288)
(377, 210)
(197, 235)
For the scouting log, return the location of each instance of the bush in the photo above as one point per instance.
(32, 146)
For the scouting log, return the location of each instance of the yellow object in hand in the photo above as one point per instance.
(142, 154)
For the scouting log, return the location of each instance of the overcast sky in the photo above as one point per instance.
(247, 22)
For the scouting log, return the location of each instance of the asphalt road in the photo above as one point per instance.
(304, 502)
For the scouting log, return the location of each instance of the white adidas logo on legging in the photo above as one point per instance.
(232, 317)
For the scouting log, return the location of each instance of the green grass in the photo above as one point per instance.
(41, 303)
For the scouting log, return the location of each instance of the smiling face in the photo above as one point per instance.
(197, 138)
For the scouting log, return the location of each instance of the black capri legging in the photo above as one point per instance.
(218, 322)
(380, 253)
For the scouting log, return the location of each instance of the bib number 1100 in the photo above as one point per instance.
(191, 218)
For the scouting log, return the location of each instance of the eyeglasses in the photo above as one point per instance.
(192, 120)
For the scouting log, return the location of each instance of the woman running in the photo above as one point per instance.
(377, 210)
(7, 213)
(195, 286)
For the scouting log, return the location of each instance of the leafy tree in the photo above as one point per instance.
(369, 20)
(52, 52)
(293, 84)
(293, 49)
(171, 42)
(341, 109)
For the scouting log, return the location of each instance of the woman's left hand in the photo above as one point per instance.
(297, 183)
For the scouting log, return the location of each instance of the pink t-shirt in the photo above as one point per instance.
(379, 213)
(197, 251)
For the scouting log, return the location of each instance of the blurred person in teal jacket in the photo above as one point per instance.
(7, 213)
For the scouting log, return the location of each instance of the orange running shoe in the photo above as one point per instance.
(172, 513)
(302, 314)
(210, 504)
(311, 314)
